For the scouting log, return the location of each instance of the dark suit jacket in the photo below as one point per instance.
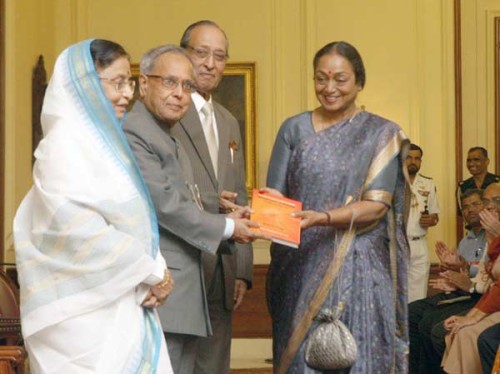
(185, 231)
(231, 177)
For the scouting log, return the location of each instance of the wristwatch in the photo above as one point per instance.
(472, 288)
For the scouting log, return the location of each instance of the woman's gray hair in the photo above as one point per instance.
(148, 60)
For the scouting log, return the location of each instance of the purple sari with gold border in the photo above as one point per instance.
(361, 159)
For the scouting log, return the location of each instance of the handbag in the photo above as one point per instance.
(331, 345)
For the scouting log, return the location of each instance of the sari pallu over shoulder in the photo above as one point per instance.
(383, 143)
(86, 234)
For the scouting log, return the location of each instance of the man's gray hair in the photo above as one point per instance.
(187, 33)
(148, 60)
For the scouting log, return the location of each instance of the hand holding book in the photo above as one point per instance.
(312, 218)
(246, 231)
(273, 212)
(227, 202)
(240, 212)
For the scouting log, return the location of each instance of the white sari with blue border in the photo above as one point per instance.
(86, 237)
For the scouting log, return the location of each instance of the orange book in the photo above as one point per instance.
(273, 213)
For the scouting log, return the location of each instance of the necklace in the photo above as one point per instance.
(355, 114)
(322, 125)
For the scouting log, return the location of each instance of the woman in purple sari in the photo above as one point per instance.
(346, 166)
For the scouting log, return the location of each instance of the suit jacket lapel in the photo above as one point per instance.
(191, 124)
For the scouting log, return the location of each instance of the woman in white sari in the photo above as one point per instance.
(86, 234)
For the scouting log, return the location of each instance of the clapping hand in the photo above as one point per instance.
(448, 257)
(489, 221)
(459, 279)
(442, 285)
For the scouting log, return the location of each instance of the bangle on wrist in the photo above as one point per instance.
(166, 280)
(328, 218)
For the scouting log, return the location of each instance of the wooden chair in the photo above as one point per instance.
(12, 353)
(12, 359)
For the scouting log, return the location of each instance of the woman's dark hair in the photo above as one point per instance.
(105, 52)
(347, 51)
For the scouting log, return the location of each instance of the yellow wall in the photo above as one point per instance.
(29, 26)
(407, 47)
(478, 75)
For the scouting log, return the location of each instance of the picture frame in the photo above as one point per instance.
(236, 92)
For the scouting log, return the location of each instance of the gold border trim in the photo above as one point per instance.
(386, 154)
(379, 196)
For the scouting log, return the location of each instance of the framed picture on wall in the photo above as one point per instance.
(236, 92)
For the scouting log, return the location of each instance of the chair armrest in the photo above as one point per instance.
(12, 359)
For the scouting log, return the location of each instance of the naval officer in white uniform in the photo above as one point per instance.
(424, 212)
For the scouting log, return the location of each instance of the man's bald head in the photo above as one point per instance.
(491, 197)
(493, 188)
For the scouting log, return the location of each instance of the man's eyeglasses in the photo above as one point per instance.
(172, 83)
(203, 53)
(495, 202)
(475, 205)
(120, 85)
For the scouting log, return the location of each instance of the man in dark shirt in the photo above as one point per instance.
(477, 164)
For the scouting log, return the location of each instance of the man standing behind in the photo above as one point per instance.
(424, 212)
(186, 231)
(477, 164)
(212, 139)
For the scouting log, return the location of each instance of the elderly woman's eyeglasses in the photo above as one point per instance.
(120, 85)
(203, 53)
(172, 83)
